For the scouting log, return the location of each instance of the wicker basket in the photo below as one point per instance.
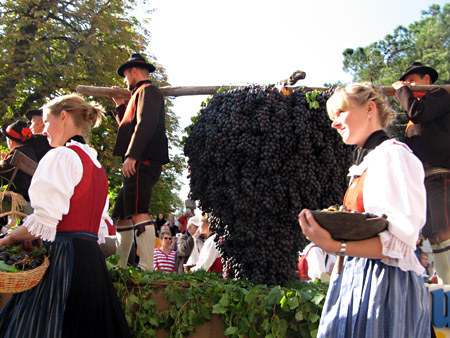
(14, 282)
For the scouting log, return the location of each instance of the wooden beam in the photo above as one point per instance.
(209, 90)
(167, 91)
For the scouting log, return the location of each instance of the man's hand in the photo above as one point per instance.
(197, 233)
(129, 167)
(399, 84)
(118, 100)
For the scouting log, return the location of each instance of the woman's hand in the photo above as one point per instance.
(6, 241)
(315, 233)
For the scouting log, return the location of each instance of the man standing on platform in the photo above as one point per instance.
(142, 143)
(428, 135)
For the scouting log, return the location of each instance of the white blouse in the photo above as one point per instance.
(394, 185)
(52, 187)
(208, 254)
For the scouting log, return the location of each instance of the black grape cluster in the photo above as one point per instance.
(257, 157)
(19, 259)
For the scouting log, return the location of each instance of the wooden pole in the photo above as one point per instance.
(209, 90)
(167, 91)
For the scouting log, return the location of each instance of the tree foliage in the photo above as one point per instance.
(49, 47)
(426, 41)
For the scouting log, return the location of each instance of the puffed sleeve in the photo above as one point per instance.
(316, 263)
(51, 189)
(207, 256)
(394, 186)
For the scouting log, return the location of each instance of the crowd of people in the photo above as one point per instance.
(179, 251)
(377, 283)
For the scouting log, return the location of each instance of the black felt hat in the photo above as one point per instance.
(418, 68)
(33, 112)
(18, 131)
(135, 60)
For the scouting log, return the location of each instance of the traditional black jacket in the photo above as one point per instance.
(144, 137)
(429, 136)
(22, 180)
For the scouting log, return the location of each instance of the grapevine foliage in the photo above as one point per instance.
(257, 157)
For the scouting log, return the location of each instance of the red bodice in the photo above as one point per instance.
(216, 266)
(353, 199)
(88, 200)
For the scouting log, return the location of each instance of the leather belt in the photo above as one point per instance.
(124, 228)
(436, 171)
(447, 248)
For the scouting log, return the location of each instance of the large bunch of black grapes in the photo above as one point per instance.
(257, 157)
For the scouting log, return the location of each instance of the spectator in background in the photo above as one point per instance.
(160, 221)
(209, 257)
(424, 261)
(39, 142)
(173, 246)
(184, 219)
(317, 263)
(174, 225)
(164, 256)
(187, 244)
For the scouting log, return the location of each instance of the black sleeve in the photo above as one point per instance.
(430, 107)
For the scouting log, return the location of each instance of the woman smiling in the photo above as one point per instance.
(380, 292)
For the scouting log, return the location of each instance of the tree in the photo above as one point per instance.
(49, 47)
(383, 62)
(427, 41)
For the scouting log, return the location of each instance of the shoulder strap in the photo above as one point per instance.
(129, 112)
(307, 252)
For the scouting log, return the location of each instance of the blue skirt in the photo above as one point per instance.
(75, 298)
(371, 299)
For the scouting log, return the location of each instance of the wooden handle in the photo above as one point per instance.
(209, 90)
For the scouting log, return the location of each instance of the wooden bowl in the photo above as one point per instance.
(349, 226)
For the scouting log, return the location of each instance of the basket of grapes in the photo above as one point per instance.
(350, 225)
(20, 269)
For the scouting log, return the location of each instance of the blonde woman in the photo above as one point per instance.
(68, 192)
(380, 292)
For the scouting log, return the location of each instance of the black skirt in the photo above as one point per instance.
(75, 298)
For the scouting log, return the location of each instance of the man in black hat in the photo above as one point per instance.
(428, 135)
(39, 142)
(142, 143)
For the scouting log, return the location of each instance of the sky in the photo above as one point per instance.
(235, 42)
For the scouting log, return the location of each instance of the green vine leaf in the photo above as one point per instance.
(218, 308)
(230, 331)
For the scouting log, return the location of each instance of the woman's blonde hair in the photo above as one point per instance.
(165, 232)
(85, 115)
(361, 94)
